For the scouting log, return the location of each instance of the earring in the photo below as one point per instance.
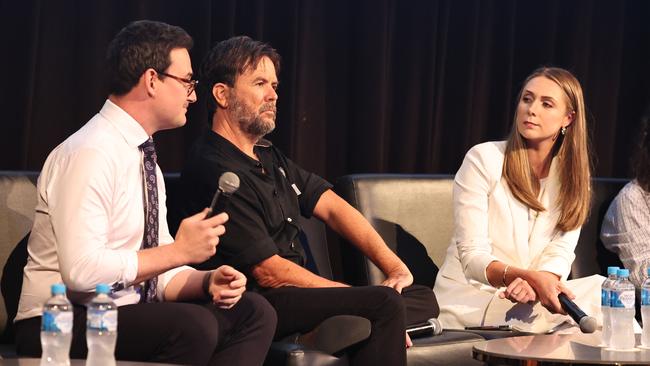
(563, 130)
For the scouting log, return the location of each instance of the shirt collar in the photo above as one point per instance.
(263, 143)
(232, 152)
(128, 127)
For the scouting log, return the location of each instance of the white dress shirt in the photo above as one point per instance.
(89, 220)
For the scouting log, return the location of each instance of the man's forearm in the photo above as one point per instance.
(154, 261)
(186, 285)
(350, 224)
(195, 242)
(277, 272)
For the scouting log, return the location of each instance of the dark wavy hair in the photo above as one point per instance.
(641, 163)
(141, 45)
(229, 59)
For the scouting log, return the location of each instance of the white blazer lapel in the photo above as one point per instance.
(547, 220)
(519, 216)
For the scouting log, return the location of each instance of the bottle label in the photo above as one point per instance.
(102, 320)
(604, 297)
(57, 322)
(623, 299)
(645, 296)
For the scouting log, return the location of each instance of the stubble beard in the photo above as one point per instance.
(252, 123)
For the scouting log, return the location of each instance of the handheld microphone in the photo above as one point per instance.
(430, 327)
(587, 323)
(228, 184)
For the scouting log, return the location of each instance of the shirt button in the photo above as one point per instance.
(289, 219)
(275, 192)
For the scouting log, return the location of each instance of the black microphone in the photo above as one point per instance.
(430, 327)
(587, 323)
(228, 184)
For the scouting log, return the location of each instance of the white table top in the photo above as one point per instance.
(557, 349)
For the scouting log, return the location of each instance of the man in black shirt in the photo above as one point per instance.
(262, 235)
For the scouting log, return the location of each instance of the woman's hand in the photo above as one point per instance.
(520, 291)
(547, 286)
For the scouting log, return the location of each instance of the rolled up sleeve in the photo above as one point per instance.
(79, 201)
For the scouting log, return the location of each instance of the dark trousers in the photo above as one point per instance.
(175, 332)
(302, 309)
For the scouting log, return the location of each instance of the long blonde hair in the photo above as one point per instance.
(570, 150)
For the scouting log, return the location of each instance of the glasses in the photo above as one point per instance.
(189, 84)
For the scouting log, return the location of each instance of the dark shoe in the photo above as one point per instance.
(336, 334)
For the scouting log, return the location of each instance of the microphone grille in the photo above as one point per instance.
(228, 182)
(435, 326)
(588, 324)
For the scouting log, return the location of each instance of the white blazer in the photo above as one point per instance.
(491, 224)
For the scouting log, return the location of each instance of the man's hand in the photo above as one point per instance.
(519, 290)
(226, 286)
(398, 279)
(197, 237)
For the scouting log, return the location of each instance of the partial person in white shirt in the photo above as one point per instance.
(90, 221)
(626, 226)
(518, 208)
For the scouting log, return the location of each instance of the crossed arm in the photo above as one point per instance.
(525, 286)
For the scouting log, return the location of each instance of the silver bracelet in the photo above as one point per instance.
(505, 272)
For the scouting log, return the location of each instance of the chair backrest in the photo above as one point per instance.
(17, 206)
(313, 237)
(414, 215)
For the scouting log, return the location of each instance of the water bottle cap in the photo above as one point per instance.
(623, 272)
(648, 271)
(612, 270)
(102, 288)
(58, 289)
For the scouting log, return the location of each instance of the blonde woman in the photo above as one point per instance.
(518, 208)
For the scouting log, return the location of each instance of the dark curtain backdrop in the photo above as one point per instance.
(397, 86)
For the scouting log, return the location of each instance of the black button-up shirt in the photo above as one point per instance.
(263, 211)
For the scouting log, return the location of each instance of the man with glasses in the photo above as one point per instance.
(190, 84)
(101, 218)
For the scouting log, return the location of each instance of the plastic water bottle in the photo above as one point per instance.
(645, 310)
(101, 328)
(622, 312)
(605, 301)
(56, 328)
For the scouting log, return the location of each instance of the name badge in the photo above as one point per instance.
(295, 189)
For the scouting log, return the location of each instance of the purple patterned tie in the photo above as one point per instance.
(150, 238)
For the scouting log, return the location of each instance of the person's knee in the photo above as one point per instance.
(389, 301)
(421, 302)
(197, 330)
(199, 322)
(260, 311)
